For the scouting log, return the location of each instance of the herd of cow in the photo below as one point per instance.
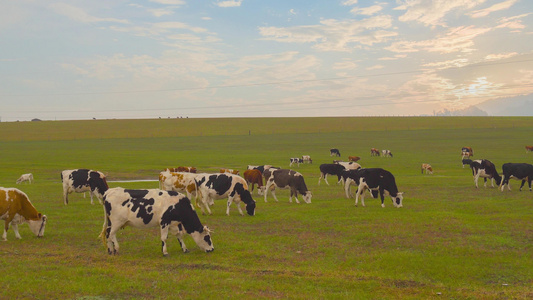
(170, 206)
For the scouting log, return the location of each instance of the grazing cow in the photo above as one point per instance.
(350, 177)
(334, 152)
(529, 148)
(283, 179)
(466, 161)
(211, 187)
(182, 169)
(467, 152)
(169, 210)
(386, 153)
(179, 182)
(307, 159)
(519, 171)
(349, 165)
(83, 180)
(485, 168)
(353, 158)
(330, 169)
(377, 179)
(374, 152)
(260, 168)
(25, 177)
(254, 177)
(295, 160)
(15, 209)
(230, 171)
(427, 168)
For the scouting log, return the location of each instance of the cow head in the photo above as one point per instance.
(307, 197)
(397, 200)
(203, 239)
(250, 207)
(37, 226)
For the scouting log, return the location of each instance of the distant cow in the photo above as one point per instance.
(171, 211)
(466, 161)
(529, 148)
(485, 169)
(519, 171)
(254, 177)
(330, 169)
(287, 179)
(307, 159)
(377, 179)
(295, 160)
(386, 153)
(230, 171)
(467, 152)
(25, 177)
(15, 209)
(427, 168)
(211, 187)
(182, 169)
(83, 180)
(353, 158)
(374, 152)
(334, 152)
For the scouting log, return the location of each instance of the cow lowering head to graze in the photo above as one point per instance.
(330, 169)
(287, 179)
(252, 178)
(230, 171)
(25, 177)
(15, 209)
(378, 179)
(529, 149)
(83, 180)
(171, 211)
(211, 187)
(295, 160)
(485, 169)
(374, 152)
(386, 153)
(334, 152)
(519, 171)
(353, 158)
(466, 161)
(427, 168)
(307, 159)
(467, 152)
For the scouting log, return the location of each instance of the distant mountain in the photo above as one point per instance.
(516, 106)
(469, 111)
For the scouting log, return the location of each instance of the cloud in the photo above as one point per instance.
(170, 2)
(229, 3)
(78, 14)
(367, 11)
(159, 12)
(349, 2)
(431, 13)
(496, 7)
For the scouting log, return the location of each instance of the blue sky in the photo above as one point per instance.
(258, 58)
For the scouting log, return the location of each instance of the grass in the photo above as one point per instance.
(450, 239)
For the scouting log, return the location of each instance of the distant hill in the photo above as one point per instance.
(521, 106)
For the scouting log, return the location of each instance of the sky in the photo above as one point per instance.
(63, 60)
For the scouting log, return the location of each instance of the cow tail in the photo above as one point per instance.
(104, 227)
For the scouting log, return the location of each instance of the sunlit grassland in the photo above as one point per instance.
(449, 239)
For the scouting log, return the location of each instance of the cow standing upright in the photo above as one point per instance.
(171, 211)
(252, 178)
(378, 179)
(485, 168)
(15, 209)
(283, 179)
(295, 160)
(83, 180)
(211, 187)
(334, 152)
(179, 182)
(519, 171)
(330, 169)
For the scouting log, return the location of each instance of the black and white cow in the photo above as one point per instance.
(83, 180)
(519, 171)
(466, 161)
(386, 153)
(331, 169)
(171, 211)
(485, 168)
(334, 152)
(287, 179)
(349, 165)
(212, 187)
(378, 179)
(295, 160)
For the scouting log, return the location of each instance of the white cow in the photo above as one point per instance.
(25, 177)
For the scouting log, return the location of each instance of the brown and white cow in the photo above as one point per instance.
(254, 177)
(25, 177)
(230, 171)
(529, 148)
(287, 179)
(171, 211)
(179, 182)
(427, 168)
(374, 152)
(182, 169)
(16, 208)
(467, 152)
(307, 159)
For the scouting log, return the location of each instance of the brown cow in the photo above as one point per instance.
(427, 168)
(182, 169)
(466, 152)
(252, 177)
(16, 206)
(353, 158)
(231, 171)
(529, 148)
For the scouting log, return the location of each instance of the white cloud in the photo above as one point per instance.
(78, 14)
(375, 67)
(169, 2)
(431, 13)
(349, 2)
(367, 11)
(159, 12)
(229, 3)
(496, 7)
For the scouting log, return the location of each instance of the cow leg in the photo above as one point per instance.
(179, 232)
(485, 182)
(164, 236)
(522, 184)
(381, 192)
(347, 188)
(112, 243)
(91, 194)
(360, 192)
(16, 230)
(6, 227)
(295, 193)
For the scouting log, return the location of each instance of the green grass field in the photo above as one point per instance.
(449, 241)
